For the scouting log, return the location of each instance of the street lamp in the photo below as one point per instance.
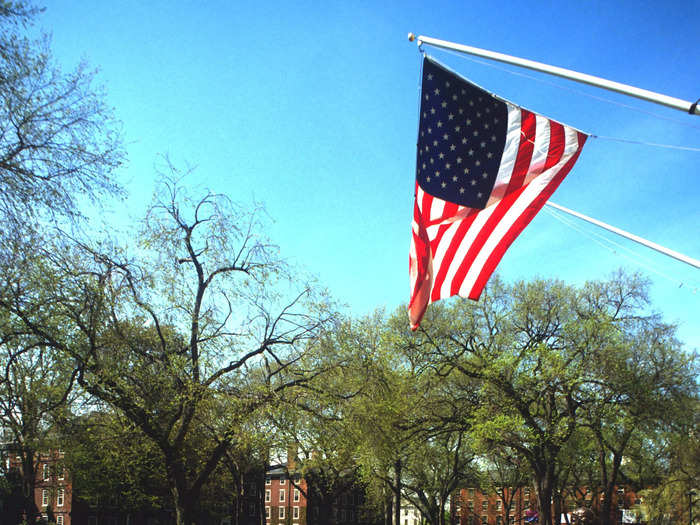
(691, 495)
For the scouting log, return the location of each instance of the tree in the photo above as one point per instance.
(36, 386)
(538, 351)
(59, 142)
(207, 316)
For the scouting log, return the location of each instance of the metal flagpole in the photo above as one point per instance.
(627, 235)
(664, 100)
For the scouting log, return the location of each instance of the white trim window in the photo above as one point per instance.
(45, 498)
(281, 513)
(282, 495)
(267, 513)
(268, 495)
(295, 513)
(60, 497)
(60, 472)
(296, 495)
(45, 472)
(283, 481)
(268, 481)
(59, 520)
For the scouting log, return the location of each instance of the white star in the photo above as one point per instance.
(493, 138)
(473, 182)
(479, 195)
(432, 161)
(478, 115)
(450, 116)
(471, 102)
(489, 155)
(454, 97)
(453, 147)
(435, 143)
(464, 92)
(454, 179)
(477, 163)
(439, 124)
(469, 122)
(444, 184)
(483, 144)
(459, 160)
(426, 97)
(471, 152)
(427, 179)
(424, 165)
(476, 133)
(445, 136)
(437, 173)
(448, 166)
(461, 111)
(430, 76)
(432, 111)
(464, 140)
(447, 84)
(437, 91)
(442, 156)
(466, 171)
(485, 175)
(486, 126)
(444, 104)
(457, 128)
(461, 190)
(430, 130)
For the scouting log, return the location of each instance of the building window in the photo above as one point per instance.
(59, 520)
(470, 505)
(281, 494)
(251, 509)
(485, 505)
(281, 513)
(60, 472)
(267, 495)
(295, 513)
(267, 513)
(45, 472)
(499, 520)
(484, 519)
(268, 481)
(60, 497)
(45, 498)
(498, 504)
(283, 481)
(296, 494)
(471, 492)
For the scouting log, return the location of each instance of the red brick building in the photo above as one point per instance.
(470, 506)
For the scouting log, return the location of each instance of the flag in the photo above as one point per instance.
(484, 168)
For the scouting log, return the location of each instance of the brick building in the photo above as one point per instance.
(470, 506)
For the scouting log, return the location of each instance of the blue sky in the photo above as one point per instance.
(312, 108)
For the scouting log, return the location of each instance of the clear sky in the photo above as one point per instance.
(312, 108)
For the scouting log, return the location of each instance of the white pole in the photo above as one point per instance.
(632, 237)
(644, 94)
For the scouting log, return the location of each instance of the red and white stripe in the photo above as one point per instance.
(455, 249)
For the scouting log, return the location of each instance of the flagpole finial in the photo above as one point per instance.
(411, 37)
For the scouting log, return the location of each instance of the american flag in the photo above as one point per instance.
(484, 168)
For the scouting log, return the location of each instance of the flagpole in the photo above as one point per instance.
(658, 98)
(627, 235)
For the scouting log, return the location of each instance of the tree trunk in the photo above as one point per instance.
(397, 492)
(544, 481)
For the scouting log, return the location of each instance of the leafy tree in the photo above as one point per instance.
(541, 352)
(206, 316)
(59, 142)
